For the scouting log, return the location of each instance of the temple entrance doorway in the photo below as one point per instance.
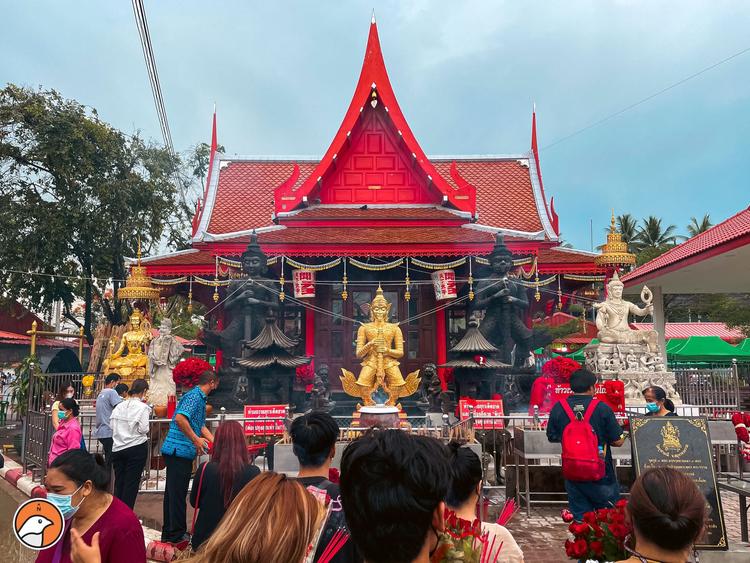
(336, 333)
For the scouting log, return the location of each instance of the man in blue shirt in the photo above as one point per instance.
(585, 496)
(105, 402)
(187, 437)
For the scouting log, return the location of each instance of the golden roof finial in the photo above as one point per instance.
(615, 253)
(139, 250)
(138, 285)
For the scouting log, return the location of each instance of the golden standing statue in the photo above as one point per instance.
(134, 364)
(380, 345)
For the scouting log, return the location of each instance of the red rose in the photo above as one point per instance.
(597, 547)
(618, 530)
(579, 529)
(589, 517)
(580, 547)
(622, 503)
(617, 518)
(602, 514)
(333, 475)
(598, 532)
(566, 515)
(576, 549)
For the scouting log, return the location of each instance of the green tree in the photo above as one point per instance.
(76, 194)
(653, 239)
(697, 227)
(651, 234)
(197, 160)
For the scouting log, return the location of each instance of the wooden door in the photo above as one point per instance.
(336, 337)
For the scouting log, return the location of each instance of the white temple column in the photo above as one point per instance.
(660, 320)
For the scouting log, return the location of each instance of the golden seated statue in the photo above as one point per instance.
(130, 360)
(380, 345)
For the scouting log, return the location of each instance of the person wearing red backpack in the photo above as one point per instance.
(587, 429)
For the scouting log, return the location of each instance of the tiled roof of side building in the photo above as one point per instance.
(736, 226)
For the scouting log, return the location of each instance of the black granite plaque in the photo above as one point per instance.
(682, 443)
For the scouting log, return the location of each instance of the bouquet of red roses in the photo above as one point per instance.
(601, 535)
(189, 370)
(465, 542)
(560, 369)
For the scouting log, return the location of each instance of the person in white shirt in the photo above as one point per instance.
(130, 422)
(463, 498)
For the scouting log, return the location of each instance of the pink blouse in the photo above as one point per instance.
(67, 437)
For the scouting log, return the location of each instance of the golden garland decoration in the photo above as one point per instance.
(438, 265)
(376, 267)
(313, 267)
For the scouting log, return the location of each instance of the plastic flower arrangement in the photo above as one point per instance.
(188, 371)
(601, 535)
(305, 376)
(560, 369)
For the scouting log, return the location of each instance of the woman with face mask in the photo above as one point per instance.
(66, 391)
(68, 435)
(657, 403)
(463, 499)
(77, 483)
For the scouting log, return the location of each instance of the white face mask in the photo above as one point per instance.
(69, 394)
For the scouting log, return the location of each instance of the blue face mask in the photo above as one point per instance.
(652, 407)
(65, 503)
(61, 415)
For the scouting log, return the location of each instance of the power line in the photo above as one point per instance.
(647, 98)
(153, 74)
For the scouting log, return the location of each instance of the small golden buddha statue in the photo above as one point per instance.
(134, 363)
(380, 345)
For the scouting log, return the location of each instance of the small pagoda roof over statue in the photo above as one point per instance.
(271, 347)
(474, 351)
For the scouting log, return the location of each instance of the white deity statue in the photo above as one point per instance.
(163, 354)
(612, 317)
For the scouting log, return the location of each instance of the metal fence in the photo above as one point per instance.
(38, 429)
(714, 391)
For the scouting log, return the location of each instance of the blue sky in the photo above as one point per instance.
(466, 74)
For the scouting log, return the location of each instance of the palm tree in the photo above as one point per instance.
(653, 240)
(628, 227)
(696, 228)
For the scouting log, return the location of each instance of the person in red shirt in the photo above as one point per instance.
(77, 483)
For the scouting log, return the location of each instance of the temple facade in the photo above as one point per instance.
(375, 209)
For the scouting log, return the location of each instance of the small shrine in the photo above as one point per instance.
(476, 373)
(269, 365)
(128, 351)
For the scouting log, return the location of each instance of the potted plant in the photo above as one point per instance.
(19, 393)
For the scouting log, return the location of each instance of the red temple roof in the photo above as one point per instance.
(374, 193)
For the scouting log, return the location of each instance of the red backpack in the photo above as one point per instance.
(580, 447)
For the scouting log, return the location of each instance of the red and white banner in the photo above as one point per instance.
(444, 282)
(304, 283)
(610, 393)
(487, 413)
(265, 427)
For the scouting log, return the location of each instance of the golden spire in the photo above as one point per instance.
(615, 253)
(138, 285)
